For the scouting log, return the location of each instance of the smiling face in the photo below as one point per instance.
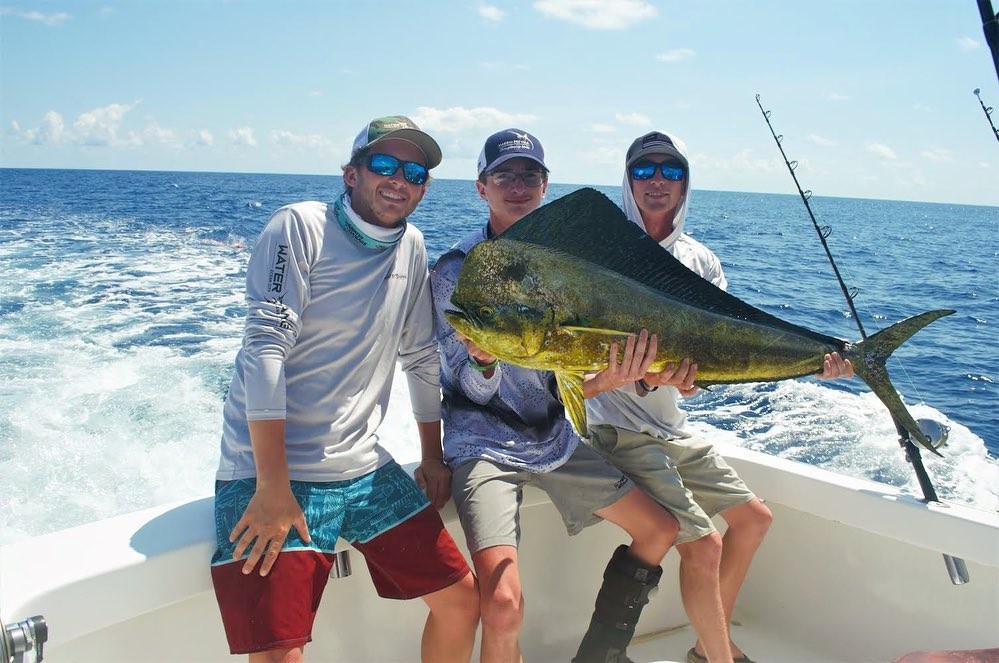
(385, 200)
(511, 200)
(658, 199)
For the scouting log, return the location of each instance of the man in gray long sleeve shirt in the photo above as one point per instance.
(336, 295)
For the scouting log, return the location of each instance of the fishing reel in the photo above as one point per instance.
(18, 639)
(936, 432)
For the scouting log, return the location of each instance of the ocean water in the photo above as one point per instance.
(121, 310)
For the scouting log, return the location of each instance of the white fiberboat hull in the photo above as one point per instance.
(851, 571)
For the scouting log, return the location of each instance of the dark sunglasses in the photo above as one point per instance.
(387, 165)
(646, 170)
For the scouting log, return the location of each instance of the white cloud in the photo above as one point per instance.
(50, 20)
(204, 137)
(598, 14)
(285, 137)
(882, 151)
(824, 142)
(459, 118)
(51, 131)
(603, 128)
(154, 133)
(242, 136)
(967, 43)
(491, 13)
(836, 96)
(634, 119)
(100, 126)
(938, 154)
(741, 162)
(676, 55)
(611, 157)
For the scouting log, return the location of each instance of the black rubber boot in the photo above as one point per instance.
(625, 591)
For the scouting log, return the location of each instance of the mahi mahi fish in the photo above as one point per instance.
(554, 291)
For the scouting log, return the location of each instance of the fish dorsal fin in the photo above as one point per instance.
(587, 225)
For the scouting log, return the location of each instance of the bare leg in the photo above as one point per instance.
(747, 526)
(501, 603)
(449, 634)
(701, 594)
(294, 655)
(651, 528)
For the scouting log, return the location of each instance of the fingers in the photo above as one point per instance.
(681, 376)
(435, 482)
(834, 366)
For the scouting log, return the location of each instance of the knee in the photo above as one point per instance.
(502, 610)
(750, 521)
(465, 606)
(705, 552)
(761, 519)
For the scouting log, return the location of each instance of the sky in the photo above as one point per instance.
(873, 98)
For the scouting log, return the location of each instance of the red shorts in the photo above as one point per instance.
(413, 558)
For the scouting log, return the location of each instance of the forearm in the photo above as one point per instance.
(269, 456)
(430, 440)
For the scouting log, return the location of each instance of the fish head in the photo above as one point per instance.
(499, 305)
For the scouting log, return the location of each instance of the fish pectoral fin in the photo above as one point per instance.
(570, 388)
(577, 331)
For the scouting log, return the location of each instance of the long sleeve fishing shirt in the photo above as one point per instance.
(513, 417)
(657, 413)
(327, 320)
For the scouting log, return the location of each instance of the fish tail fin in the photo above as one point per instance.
(869, 357)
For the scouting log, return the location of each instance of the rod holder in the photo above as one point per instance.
(341, 565)
(22, 637)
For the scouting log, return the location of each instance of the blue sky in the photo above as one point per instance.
(874, 98)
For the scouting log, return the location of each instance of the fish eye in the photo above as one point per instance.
(486, 311)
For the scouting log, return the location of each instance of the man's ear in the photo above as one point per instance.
(482, 189)
(350, 175)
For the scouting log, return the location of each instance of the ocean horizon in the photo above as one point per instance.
(121, 310)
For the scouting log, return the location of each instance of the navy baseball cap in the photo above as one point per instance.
(510, 144)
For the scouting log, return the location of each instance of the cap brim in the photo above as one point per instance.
(506, 157)
(659, 150)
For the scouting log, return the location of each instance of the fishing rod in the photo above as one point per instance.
(988, 112)
(936, 432)
(990, 26)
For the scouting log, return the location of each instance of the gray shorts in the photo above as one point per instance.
(685, 475)
(488, 495)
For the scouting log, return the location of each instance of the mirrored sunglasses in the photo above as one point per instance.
(645, 170)
(387, 165)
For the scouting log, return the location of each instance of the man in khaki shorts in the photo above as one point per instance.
(640, 428)
(505, 427)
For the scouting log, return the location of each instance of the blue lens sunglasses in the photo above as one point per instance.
(646, 170)
(387, 165)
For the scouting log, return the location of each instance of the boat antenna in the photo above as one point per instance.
(990, 26)
(936, 432)
(988, 112)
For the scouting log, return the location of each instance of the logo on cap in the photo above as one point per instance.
(519, 143)
(655, 139)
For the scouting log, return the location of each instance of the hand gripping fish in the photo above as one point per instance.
(557, 288)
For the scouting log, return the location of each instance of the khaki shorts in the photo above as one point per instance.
(685, 475)
(488, 495)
